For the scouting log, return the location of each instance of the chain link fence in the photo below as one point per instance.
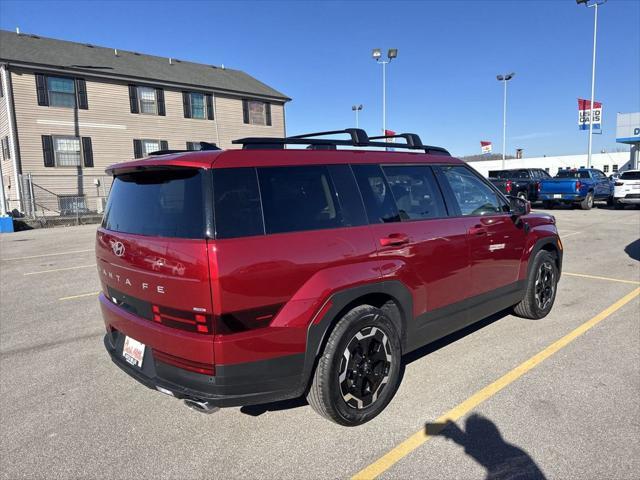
(64, 199)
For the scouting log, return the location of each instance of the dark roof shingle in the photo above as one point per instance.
(41, 51)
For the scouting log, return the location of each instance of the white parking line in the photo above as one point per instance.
(79, 296)
(46, 255)
(563, 235)
(59, 269)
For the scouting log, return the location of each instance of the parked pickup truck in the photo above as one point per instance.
(519, 182)
(582, 186)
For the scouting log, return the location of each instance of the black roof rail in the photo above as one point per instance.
(204, 146)
(359, 138)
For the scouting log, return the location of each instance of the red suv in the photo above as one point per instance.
(249, 276)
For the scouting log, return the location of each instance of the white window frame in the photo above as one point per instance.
(144, 142)
(49, 92)
(264, 112)
(140, 88)
(614, 168)
(54, 140)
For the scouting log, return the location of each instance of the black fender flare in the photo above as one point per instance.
(539, 245)
(320, 328)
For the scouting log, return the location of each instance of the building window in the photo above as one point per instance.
(6, 151)
(194, 146)
(148, 100)
(66, 151)
(615, 167)
(606, 169)
(149, 146)
(197, 105)
(256, 112)
(62, 92)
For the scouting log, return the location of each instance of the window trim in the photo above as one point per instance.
(55, 152)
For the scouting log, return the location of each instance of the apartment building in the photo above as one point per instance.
(68, 110)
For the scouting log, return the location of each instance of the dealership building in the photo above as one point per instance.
(628, 132)
(68, 110)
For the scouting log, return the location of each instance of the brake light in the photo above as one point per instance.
(578, 185)
(508, 186)
(538, 186)
(619, 184)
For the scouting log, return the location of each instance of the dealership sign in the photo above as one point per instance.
(585, 113)
(485, 146)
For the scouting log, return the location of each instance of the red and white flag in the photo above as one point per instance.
(485, 146)
(585, 113)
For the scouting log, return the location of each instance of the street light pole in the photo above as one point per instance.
(377, 56)
(357, 108)
(504, 79)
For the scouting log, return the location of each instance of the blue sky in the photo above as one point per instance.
(442, 85)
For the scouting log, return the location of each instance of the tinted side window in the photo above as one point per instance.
(376, 194)
(298, 198)
(415, 191)
(237, 211)
(472, 195)
(348, 196)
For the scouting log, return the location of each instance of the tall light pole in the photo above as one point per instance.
(504, 79)
(357, 109)
(595, 5)
(377, 56)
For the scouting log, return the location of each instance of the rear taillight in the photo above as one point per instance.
(538, 186)
(203, 368)
(578, 185)
(184, 320)
(245, 320)
(619, 184)
(508, 187)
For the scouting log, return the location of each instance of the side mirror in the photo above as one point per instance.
(519, 207)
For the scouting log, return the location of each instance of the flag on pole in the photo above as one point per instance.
(485, 146)
(584, 114)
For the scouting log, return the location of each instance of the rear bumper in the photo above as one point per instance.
(563, 197)
(631, 200)
(238, 384)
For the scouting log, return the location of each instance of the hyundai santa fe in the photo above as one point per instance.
(265, 273)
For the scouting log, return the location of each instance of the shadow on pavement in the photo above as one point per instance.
(633, 250)
(257, 410)
(483, 442)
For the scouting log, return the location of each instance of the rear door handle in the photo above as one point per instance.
(477, 230)
(394, 239)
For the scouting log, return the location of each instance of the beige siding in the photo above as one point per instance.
(112, 127)
(6, 163)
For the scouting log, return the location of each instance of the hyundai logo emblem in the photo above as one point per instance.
(118, 248)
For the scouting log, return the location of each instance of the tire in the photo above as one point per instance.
(587, 203)
(377, 372)
(617, 205)
(523, 196)
(539, 297)
(547, 205)
(611, 201)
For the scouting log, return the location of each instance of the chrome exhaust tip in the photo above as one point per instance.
(201, 406)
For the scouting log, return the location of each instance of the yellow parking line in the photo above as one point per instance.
(417, 439)
(59, 269)
(79, 296)
(46, 255)
(596, 277)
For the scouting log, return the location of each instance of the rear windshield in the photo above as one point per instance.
(161, 203)
(570, 174)
(630, 176)
(507, 174)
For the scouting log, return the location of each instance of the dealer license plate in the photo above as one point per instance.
(557, 195)
(133, 351)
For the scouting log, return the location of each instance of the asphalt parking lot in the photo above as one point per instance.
(571, 412)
